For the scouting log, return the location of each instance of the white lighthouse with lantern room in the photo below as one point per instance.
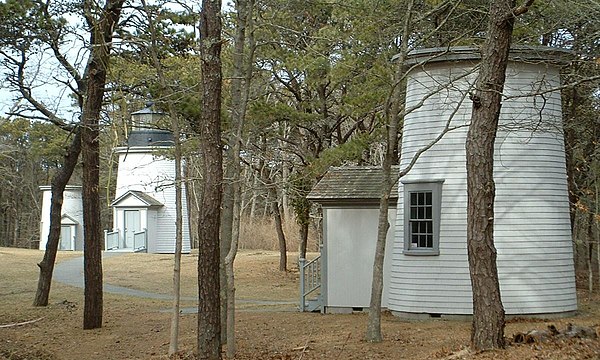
(144, 213)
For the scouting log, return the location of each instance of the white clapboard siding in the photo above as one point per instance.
(349, 250)
(72, 207)
(532, 225)
(142, 170)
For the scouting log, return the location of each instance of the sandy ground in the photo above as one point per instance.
(138, 328)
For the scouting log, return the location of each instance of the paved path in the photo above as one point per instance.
(70, 272)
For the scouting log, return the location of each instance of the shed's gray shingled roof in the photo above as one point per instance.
(350, 184)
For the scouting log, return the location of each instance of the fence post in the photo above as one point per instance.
(301, 264)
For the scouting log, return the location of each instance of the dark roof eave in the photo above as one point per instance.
(350, 201)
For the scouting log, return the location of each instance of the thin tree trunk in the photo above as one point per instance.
(3, 237)
(244, 196)
(209, 321)
(266, 205)
(174, 333)
(276, 213)
(226, 232)
(285, 174)
(254, 197)
(174, 338)
(16, 228)
(577, 247)
(9, 227)
(570, 141)
(243, 63)
(590, 251)
(597, 220)
(303, 233)
(235, 225)
(302, 213)
(229, 262)
(280, 235)
(373, 333)
(374, 319)
(193, 200)
(488, 313)
(59, 182)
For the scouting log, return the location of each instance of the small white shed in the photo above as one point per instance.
(349, 197)
(71, 232)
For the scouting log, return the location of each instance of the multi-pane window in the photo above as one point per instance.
(422, 209)
(421, 219)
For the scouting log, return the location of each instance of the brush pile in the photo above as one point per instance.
(553, 333)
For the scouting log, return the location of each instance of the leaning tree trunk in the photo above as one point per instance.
(209, 321)
(280, 235)
(373, 333)
(240, 90)
(226, 227)
(101, 39)
(488, 313)
(59, 182)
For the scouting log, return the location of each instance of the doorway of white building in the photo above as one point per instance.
(67, 238)
(132, 225)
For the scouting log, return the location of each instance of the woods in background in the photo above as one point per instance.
(304, 86)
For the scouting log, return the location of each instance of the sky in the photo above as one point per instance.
(45, 88)
(42, 73)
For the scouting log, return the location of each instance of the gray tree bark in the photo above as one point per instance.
(101, 28)
(280, 234)
(209, 128)
(374, 320)
(488, 313)
(59, 182)
(174, 333)
(240, 88)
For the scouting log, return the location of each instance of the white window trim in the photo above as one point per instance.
(435, 186)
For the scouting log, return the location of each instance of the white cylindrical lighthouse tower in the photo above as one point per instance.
(430, 271)
(145, 190)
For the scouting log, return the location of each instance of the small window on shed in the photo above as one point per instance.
(422, 208)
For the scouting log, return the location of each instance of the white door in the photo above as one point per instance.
(66, 238)
(132, 225)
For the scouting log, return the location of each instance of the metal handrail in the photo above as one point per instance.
(310, 278)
